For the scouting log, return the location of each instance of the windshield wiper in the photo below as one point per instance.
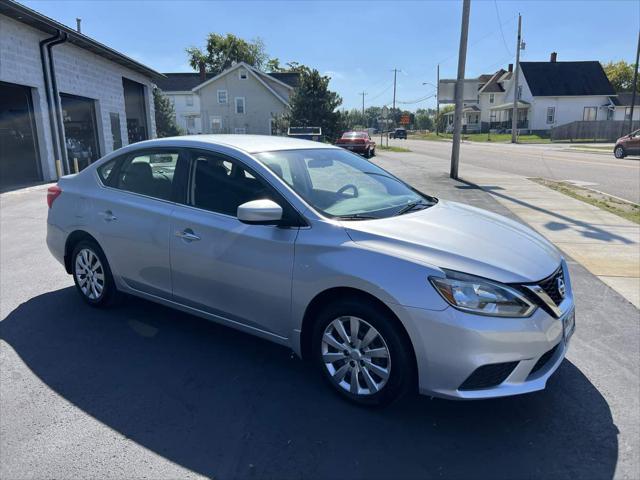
(410, 206)
(355, 216)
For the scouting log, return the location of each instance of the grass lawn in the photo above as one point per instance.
(393, 149)
(627, 210)
(483, 137)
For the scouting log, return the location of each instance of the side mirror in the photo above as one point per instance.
(260, 212)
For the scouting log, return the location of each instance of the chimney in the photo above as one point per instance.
(78, 21)
(203, 72)
(554, 57)
(511, 67)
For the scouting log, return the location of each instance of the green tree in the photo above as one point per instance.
(165, 115)
(424, 119)
(312, 104)
(620, 75)
(222, 51)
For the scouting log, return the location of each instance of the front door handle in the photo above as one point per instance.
(108, 216)
(187, 235)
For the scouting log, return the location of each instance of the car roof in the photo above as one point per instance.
(246, 143)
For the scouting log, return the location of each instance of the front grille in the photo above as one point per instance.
(550, 286)
(544, 359)
(488, 376)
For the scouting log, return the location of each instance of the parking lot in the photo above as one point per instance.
(142, 391)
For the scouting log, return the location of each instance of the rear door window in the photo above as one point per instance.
(150, 174)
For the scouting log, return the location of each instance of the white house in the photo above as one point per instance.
(621, 106)
(549, 94)
(65, 99)
(242, 99)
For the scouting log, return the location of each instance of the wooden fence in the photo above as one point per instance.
(593, 131)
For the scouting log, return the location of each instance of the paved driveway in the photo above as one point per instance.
(144, 391)
(600, 171)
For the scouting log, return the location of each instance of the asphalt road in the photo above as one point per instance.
(141, 391)
(557, 162)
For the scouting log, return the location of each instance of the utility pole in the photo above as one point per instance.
(438, 102)
(363, 117)
(393, 110)
(459, 93)
(514, 119)
(635, 85)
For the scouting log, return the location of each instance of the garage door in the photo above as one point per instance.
(19, 161)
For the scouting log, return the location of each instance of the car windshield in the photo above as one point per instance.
(354, 135)
(340, 184)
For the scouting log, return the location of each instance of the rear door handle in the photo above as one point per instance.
(188, 235)
(108, 216)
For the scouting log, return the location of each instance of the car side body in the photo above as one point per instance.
(271, 280)
(627, 145)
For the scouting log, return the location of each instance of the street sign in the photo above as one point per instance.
(405, 120)
(385, 111)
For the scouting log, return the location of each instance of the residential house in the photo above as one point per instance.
(549, 94)
(242, 99)
(65, 99)
(621, 106)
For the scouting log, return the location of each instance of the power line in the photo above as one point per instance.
(504, 41)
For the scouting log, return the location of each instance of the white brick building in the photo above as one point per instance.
(64, 105)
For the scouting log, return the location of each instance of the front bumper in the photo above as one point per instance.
(451, 345)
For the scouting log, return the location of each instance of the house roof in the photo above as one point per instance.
(181, 82)
(493, 85)
(623, 99)
(558, 79)
(45, 24)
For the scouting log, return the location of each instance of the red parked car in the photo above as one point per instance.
(358, 142)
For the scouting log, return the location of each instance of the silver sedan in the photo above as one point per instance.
(385, 288)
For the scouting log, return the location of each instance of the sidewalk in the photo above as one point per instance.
(605, 244)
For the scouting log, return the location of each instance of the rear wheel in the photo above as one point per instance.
(361, 353)
(619, 152)
(92, 275)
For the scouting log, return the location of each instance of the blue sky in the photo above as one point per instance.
(359, 43)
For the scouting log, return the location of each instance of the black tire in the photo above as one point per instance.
(619, 152)
(367, 154)
(401, 379)
(109, 294)
(373, 152)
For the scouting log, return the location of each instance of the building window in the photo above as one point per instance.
(519, 92)
(240, 131)
(240, 105)
(242, 74)
(551, 114)
(222, 96)
(189, 100)
(589, 113)
(627, 113)
(216, 124)
(492, 97)
(191, 123)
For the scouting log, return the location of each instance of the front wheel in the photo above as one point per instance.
(92, 275)
(361, 353)
(619, 152)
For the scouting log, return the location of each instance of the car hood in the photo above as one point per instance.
(462, 238)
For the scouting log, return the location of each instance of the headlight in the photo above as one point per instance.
(481, 296)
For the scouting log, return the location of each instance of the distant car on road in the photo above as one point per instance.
(627, 145)
(358, 142)
(398, 133)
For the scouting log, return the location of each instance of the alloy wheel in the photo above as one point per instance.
(619, 152)
(89, 273)
(356, 355)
